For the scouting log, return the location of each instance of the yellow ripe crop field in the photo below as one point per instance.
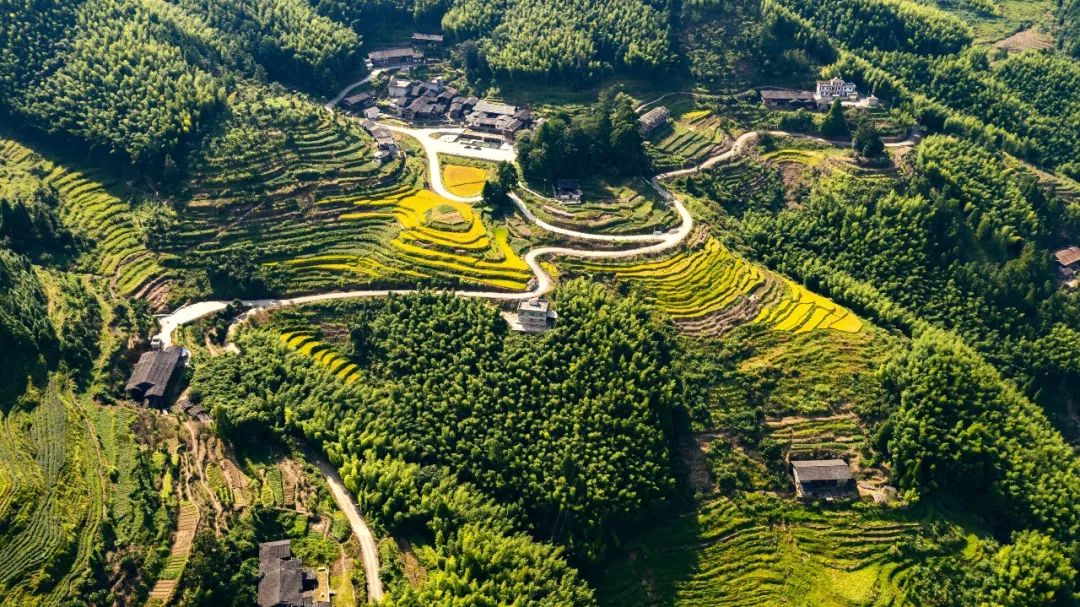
(802, 311)
(694, 285)
(323, 354)
(463, 180)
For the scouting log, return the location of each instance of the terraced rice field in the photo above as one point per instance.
(283, 178)
(694, 136)
(464, 181)
(631, 207)
(89, 205)
(306, 344)
(187, 525)
(819, 437)
(51, 498)
(709, 290)
(437, 239)
(761, 552)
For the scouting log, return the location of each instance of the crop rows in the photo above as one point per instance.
(283, 179)
(306, 344)
(426, 246)
(762, 553)
(186, 526)
(710, 290)
(635, 209)
(89, 207)
(51, 499)
(822, 437)
(692, 138)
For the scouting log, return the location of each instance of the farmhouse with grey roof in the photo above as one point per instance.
(152, 376)
(283, 579)
(823, 479)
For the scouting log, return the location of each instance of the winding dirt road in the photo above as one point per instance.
(369, 548)
(433, 145)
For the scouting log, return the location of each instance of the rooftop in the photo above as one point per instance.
(533, 305)
(394, 53)
(1067, 256)
(490, 107)
(786, 94)
(427, 37)
(568, 185)
(283, 580)
(153, 371)
(822, 470)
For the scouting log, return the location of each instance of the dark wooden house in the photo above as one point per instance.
(823, 479)
(153, 376)
(394, 57)
(283, 579)
(786, 99)
(568, 191)
(359, 101)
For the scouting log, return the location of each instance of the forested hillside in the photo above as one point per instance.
(752, 279)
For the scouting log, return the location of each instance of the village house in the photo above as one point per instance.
(653, 119)
(387, 145)
(1068, 262)
(398, 87)
(371, 113)
(535, 315)
(358, 102)
(394, 57)
(499, 118)
(788, 99)
(835, 88)
(153, 376)
(823, 479)
(461, 106)
(568, 191)
(430, 40)
(283, 579)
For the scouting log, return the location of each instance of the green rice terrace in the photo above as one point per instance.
(693, 134)
(632, 207)
(539, 303)
(763, 551)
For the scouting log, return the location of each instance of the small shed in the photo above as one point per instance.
(568, 191)
(153, 376)
(823, 479)
(653, 119)
(1068, 260)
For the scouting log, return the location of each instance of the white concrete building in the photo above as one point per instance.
(534, 315)
(836, 88)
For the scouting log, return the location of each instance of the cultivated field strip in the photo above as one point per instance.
(51, 497)
(761, 552)
(89, 206)
(709, 289)
(306, 344)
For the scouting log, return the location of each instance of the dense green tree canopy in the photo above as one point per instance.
(27, 335)
(962, 430)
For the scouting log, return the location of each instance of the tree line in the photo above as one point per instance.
(602, 139)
